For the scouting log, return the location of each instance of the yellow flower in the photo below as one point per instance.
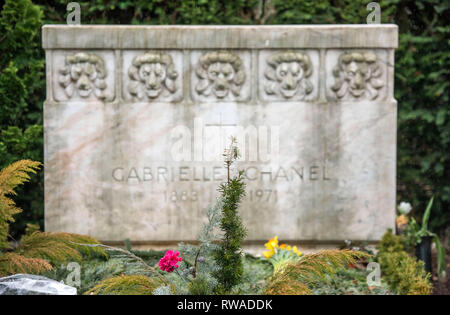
(268, 254)
(295, 250)
(402, 220)
(272, 244)
(288, 247)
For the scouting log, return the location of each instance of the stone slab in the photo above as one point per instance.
(137, 117)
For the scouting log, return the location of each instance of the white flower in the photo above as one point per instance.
(404, 207)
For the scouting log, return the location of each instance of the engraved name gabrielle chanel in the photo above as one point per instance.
(215, 173)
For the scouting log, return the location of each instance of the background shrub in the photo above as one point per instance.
(405, 274)
(421, 81)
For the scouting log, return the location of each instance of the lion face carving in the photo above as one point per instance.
(357, 75)
(220, 72)
(151, 74)
(85, 73)
(288, 74)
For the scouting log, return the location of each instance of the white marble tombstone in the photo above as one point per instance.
(137, 117)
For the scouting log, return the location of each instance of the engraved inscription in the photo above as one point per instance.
(167, 174)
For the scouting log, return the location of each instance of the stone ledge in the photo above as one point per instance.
(219, 37)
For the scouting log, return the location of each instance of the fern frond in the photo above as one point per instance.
(11, 177)
(12, 263)
(57, 247)
(126, 285)
(294, 277)
(16, 174)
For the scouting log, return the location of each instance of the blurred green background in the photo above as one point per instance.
(421, 78)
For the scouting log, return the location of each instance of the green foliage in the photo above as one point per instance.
(135, 264)
(163, 290)
(10, 177)
(22, 85)
(20, 21)
(155, 11)
(198, 260)
(16, 144)
(12, 263)
(126, 285)
(297, 278)
(150, 257)
(95, 268)
(212, 267)
(12, 95)
(22, 91)
(199, 286)
(228, 256)
(391, 243)
(414, 234)
(421, 88)
(404, 274)
(37, 251)
(256, 271)
(282, 257)
(137, 277)
(350, 281)
(280, 254)
(58, 248)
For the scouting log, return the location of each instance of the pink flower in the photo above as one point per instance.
(170, 261)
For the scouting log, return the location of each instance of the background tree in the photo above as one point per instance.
(22, 92)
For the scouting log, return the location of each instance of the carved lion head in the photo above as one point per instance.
(357, 74)
(288, 74)
(150, 74)
(84, 72)
(220, 72)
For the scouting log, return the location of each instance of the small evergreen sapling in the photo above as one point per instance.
(228, 255)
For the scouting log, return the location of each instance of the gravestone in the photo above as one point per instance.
(137, 117)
